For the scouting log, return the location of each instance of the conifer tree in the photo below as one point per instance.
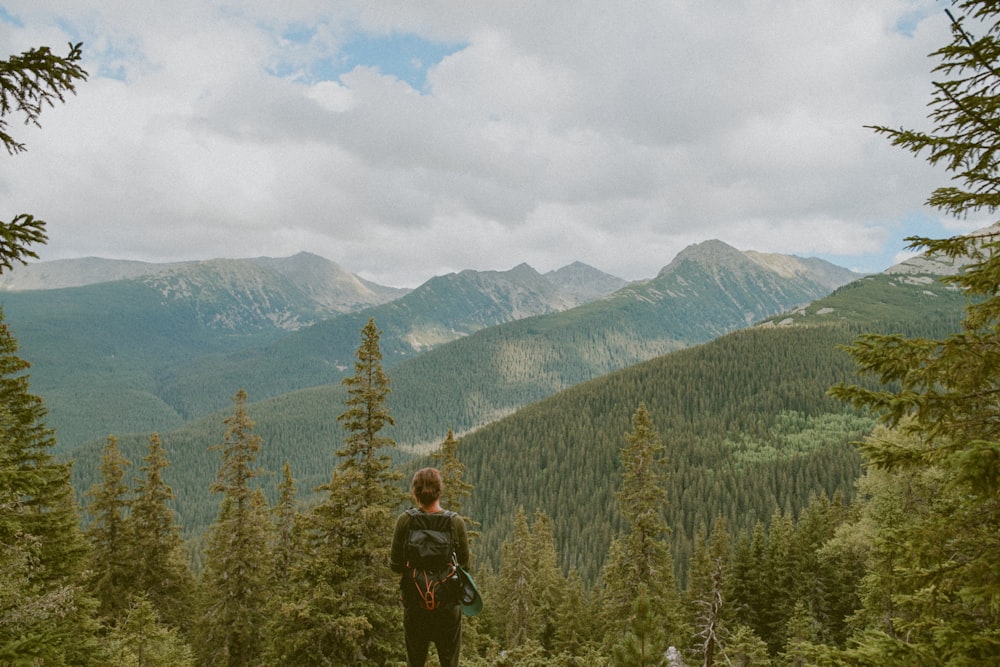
(141, 640)
(155, 549)
(644, 643)
(111, 572)
(46, 611)
(576, 632)
(516, 607)
(548, 582)
(944, 391)
(346, 610)
(640, 559)
(456, 489)
(234, 591)
(286, 545)
(707, 595)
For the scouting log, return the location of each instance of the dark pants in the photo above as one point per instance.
(443, 627)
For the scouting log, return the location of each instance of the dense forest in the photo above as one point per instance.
(898, 569)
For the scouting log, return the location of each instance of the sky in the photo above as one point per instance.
(408, 139)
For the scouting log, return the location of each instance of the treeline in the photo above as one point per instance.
(282, 583)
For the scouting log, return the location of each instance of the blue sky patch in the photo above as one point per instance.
(908, 22)
(404, 56)
(7, 17)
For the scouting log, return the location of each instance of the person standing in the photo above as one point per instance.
(441, 626)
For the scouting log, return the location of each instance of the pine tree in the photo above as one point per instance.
(111, 572)
(516, 607)
(155, 548)
(944, 391)
(346, 609)
(286, 543)
(576, 632)
(548, 582)
(234, 591)
(141, 640)
(640, 559)
(644, 643)
(456, 489)
(29, 82)
(707, 595)
(47, 614)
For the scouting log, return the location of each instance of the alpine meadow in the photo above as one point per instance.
(747, 459)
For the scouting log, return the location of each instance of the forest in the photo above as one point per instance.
(898, 569)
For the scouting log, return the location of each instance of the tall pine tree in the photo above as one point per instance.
(345, 609)
(640, 559)
(155, 549)
(234, 587)
(111, 572)
(47, 613)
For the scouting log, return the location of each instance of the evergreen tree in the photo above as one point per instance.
(640, 559)
(140, 640)
(643, 644)
(452, 470)
(516, 607)
(155, 549)
(576, 631)
(548, 582)
(346, 608)
(111, 572)
(29, 82)
(47, 618)
(944, 391)
(47, 614)
(234, 590)
(745, 649)
(286, 544)
(707, 593)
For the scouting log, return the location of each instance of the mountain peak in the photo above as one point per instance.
(712, 252)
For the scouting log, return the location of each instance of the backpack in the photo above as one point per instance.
(432, 580)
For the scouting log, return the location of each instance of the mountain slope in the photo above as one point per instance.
(151, 352)
(709, 289)
(745, 419)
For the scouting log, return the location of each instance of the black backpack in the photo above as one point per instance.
(432, 580)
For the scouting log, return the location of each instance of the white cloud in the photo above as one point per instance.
(557, 131)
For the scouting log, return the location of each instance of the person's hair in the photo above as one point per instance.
(427, 486)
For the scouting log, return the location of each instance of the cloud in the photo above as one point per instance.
(403, 140)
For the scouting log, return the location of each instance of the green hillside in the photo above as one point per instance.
(745, 419)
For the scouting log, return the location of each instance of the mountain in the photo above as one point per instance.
(175, 343)
(744, 417)
(321, 280)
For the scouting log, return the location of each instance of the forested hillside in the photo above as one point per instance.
(745, 417)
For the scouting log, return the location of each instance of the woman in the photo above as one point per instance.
(442, 626)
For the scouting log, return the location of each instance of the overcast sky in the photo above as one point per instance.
(409, 139)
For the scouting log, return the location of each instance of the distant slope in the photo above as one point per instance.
(745, 419)
(444, 309)
(329, 286)
(173, 344)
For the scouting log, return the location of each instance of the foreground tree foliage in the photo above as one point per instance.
(158, 560)
(110, 570)
(29, 82)
(935, 576)
(234, 592)
(639, 562)
(46, 614)
(345, 608)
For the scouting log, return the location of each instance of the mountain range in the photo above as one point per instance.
(541, 403)
(120, 347)
(747, 425)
